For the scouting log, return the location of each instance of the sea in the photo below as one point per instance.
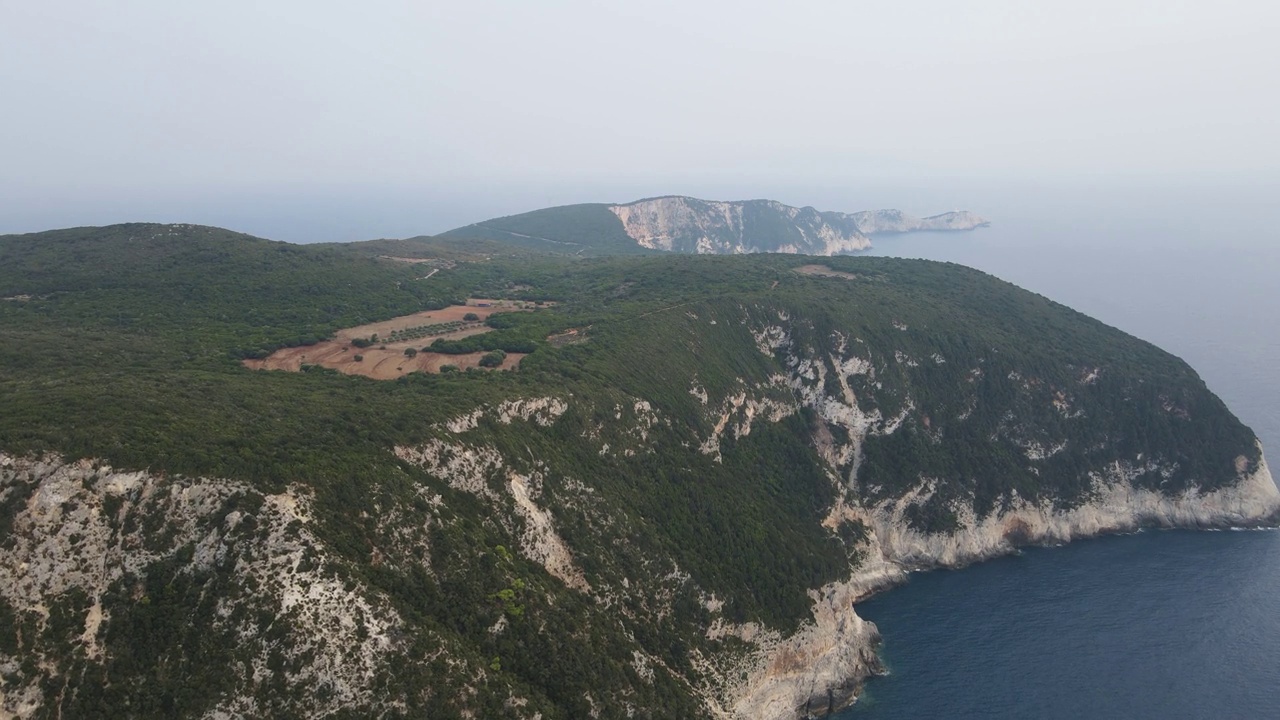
(1157, 624)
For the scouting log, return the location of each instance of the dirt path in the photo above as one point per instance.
(529, 237)
(670, 307)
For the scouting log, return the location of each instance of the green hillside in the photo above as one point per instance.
(583, 230)
(124, 344)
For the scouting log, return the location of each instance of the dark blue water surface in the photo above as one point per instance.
(1163, 624)
(1154, 625)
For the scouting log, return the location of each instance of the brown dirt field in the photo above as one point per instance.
(391, 363)
(431, 317)
(378, 364)
(824, 271)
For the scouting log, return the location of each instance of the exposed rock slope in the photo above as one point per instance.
(689, 225)
(89, 547)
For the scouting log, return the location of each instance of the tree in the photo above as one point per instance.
(493, 359)
(471, 317)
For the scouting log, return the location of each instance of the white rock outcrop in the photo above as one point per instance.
(1116, 506)
(683, 224)
(84, 527)
(540, 541)
(690, 225)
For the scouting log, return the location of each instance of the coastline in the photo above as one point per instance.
(839, 648)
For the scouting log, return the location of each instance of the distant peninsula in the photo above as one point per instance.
(680, 224)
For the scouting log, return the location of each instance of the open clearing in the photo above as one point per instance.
(385, 358)
(824, 271)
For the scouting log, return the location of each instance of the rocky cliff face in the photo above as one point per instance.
(92, 553)
(689, 225)
(820, 669)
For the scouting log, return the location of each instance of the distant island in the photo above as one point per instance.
(680, 224)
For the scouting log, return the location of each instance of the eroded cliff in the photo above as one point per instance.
(689, 225)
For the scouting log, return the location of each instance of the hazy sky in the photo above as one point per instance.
(443, 112)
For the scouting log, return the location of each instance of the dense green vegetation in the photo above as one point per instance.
(124, 343)
(583, 230)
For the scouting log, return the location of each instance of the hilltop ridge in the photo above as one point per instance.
(681, 224)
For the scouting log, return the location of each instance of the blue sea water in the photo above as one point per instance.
(1155, 625)
(1163, 624)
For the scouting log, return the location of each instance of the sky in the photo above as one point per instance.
(322, 120)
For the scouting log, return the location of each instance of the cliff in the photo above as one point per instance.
(689, 225)
(821, 669)
(682, 224)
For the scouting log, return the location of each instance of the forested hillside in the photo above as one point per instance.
(627, 524)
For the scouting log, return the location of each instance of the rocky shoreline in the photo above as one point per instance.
(820, 669)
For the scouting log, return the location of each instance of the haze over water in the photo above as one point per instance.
(1155, 625)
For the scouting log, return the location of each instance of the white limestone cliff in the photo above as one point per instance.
(684, 224)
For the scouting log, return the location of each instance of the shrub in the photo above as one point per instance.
(359, 358)
(471, 317)
(410, 352)
(493, 359)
